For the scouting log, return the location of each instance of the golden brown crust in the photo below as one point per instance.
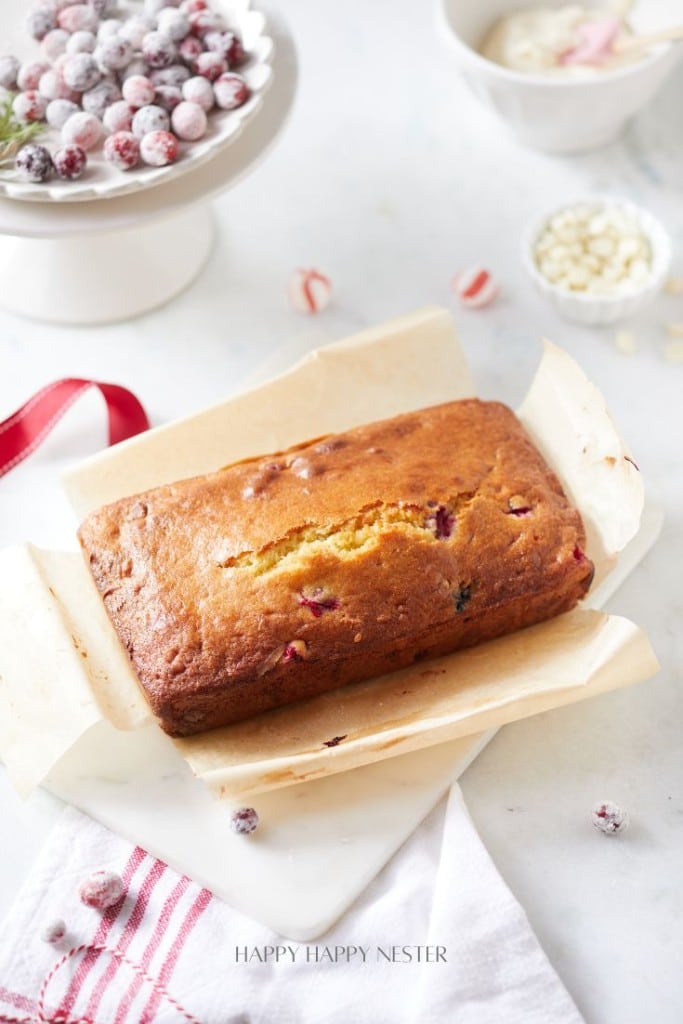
(353, 555)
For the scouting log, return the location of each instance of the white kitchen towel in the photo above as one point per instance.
(437, 937)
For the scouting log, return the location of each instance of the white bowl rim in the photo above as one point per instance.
(658, 51)
(652, 227)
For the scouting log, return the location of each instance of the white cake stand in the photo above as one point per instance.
(111, 259)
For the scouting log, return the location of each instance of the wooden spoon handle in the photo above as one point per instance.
(629, 44)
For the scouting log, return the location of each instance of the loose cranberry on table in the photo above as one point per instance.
(159, 149)
(34, 163)
(231, 91)
(122, 150)
(244, 821)
(101, 890)
(70, 162)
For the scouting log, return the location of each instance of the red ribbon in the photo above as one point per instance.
(22, 432)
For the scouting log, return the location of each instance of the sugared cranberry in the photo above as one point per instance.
(103, 7)
(102, 890)
(34, 163)
(81, 42)
(9, 69)
(118, 117)
(81, 72)
(151, 118)
(136, 28)
(159, 149)
(59, 111)
(199, 90)
(53, 932)
(168, 97)
(173, 23)
(53, 87)
(83, 130)
(114, 54)
(318, 600)
(158, 50)
(192, 6)
(54, 44)
(29, 75)
(96, 100)
(205, 21)
(609, 818)
(122, 150)
(441, 521)
(109, 28)
(188, 121)
(190, 48)
(244, 821)
(29, 106)
(231, 91)
(40, 22)
(138, 91)
(77, 18)
(70, 162)
(175, 75)
(228, 45)
(210, 65)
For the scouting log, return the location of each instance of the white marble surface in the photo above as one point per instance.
(390, 177)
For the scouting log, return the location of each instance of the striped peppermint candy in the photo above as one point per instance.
(309, 291)
(475, 287)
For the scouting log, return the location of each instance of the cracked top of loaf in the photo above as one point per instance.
(347, 556)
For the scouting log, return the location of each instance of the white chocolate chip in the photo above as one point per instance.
(588, 249)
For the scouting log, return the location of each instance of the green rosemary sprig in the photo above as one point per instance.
(14, 134)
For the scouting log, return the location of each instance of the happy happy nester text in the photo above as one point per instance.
(340, 954)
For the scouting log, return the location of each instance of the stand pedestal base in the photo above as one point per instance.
(102, 278)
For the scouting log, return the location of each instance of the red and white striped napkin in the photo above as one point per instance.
(171, 953)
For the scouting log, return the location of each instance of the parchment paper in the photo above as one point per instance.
(51, 608)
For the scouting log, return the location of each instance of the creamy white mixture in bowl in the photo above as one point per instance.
(555, 112)
(535, 40)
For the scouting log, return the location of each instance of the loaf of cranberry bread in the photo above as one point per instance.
(340, 559)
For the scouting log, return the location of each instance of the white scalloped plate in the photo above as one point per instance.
(102, 180)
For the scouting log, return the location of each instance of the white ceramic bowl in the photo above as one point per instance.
(559, 116)
(591, 309)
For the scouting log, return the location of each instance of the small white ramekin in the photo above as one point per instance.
(552, 114)
(590, 309)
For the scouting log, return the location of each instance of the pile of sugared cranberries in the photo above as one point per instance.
(137, 84)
